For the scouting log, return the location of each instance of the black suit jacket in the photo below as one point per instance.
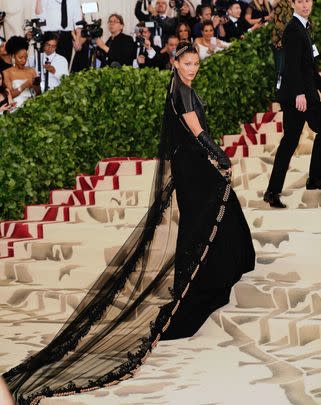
(167, 24)
(235, 30)
(122, 50)
(300, 74)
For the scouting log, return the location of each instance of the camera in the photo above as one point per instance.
(140, 40)
(176, 4)
(2, 16)
(35, 25)
(220, 12)
(91, 31)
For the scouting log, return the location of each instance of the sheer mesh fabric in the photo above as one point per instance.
(131, 304)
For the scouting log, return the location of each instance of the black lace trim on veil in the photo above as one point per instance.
(105, 290)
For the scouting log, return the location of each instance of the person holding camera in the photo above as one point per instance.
(22, 81)
(164, 26)
(166, 57)
(53, 65)
(61, 17)
(218, 20)
(146, 53)
(185, 13)
(237, 26)
(5, 59)
(120, 48)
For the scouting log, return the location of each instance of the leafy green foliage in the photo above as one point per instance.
(316, 21)
(118, 112)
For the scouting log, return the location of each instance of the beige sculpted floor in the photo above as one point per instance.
(264, 347)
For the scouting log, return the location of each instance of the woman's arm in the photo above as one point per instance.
(8, 83)
(214, 151)
(5, 396)
(193, 123)
(248, 16)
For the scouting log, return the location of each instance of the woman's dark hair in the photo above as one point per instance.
(206, 23)
(183, 48)
(16, 44)
(179, 27)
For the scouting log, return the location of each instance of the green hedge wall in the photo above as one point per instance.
(118, 112)
(316, 20)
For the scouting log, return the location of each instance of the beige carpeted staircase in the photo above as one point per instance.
(262, 348)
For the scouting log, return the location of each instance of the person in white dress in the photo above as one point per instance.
(19, 79)
(208, 44)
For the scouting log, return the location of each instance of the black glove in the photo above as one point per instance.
(214, 151)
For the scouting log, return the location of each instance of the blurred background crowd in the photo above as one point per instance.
(43, 40)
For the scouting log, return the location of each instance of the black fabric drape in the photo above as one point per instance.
(141, 297)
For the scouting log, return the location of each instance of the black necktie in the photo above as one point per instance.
(64, 18)
(46, 76)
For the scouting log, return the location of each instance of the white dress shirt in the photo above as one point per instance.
(58, 62)
(51, 12)
(303, 20)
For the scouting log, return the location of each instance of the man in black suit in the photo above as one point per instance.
(299, 100)
(164, 26)
(237, 26)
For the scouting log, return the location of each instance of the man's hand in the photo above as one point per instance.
(148, 44)
(49, 68)
(152, 10)
(301, 103)
(216, 21)
(101, 44)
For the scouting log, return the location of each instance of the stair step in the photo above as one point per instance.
(291, 220)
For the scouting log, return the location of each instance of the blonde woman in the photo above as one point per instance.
(259, 11)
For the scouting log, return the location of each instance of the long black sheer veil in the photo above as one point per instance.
(126, 310)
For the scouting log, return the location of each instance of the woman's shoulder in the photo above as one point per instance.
(183, 98)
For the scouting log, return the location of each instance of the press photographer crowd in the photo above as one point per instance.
(59, 40)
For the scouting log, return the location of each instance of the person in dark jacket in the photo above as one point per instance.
(236, 25)
(300, 101)
(120, 48)
(164, 26)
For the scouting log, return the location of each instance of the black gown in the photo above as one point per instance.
(164, 282)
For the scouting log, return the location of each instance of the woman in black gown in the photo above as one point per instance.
(168, 277)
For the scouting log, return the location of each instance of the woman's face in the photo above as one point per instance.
(208, 32)
(183, 33)
(187, 66)
(21, 57)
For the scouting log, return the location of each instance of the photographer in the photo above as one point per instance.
(61, 17)
(89, 55)
(146, 53)
(185, 12)
(120, 48)
(5, 59)
(21, 81)
(163, 25)
(53, 65)
(219, 19)
(166, 56)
